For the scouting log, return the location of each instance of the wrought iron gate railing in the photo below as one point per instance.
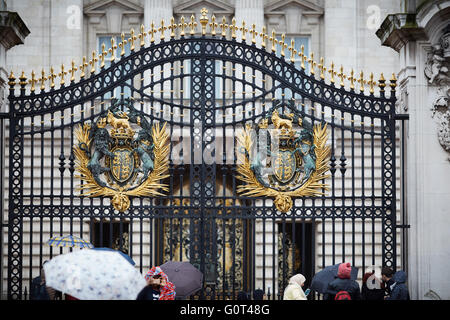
(207, 87)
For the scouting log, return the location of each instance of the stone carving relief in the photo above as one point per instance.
(437, 70)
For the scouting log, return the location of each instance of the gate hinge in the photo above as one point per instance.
(403, 226)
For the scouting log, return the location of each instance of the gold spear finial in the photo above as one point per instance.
(152, 32)
(73, 70)
(244, 30)
(233, 28)
(102, 56)
(264, 37)
(292, 50)
(162, 29)
(93, 61)
(12, 79)
(224, 26)
(312, 63)
(112, 50)
(52, 77)
(382, 82)
(342, 76)
(352, 79)
(204, 20)
(361, 82)
(23, 79)
(322, 68)
(273, 39)
(282, 44)
(83, 65)
(182, 25)
(142, 36)
(192, 25)
(254, 33)
(172, 27)
(62, 74)
(33, 81)
(42, 80)
(122, 44)
(371, 83)
(393, 82)
(213, 25)
(332, 72)
(132, 39)
(302, 56)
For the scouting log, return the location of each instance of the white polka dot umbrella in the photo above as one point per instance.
(94, 275)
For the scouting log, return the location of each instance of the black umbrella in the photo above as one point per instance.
(322, 278)
(186, 278)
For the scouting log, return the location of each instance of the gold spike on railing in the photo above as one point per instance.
(33, 81)
(52, 77)
(182, 25)
(112, 50)
(233, 28)
(23, 79)
(341, 76)
(132, 39)
(142, 36)
(93, 61)
(12, 80)
(224, 26)
(352, 79)
(312, 63)
(264, 37)
(382, 82)
(192, 25)
(162, 29)
(282, 44)
(102, 56)
(292, 51)
(204, 20)
(73, 69)
(371, 83)
(83, 65)
(254, 33)
(172, 27)
(303, 57)
(213, 25)
(274, 41)
(42, 80)
(62, 75)
(122, 44)
(361, 82)
(322, 68)
(332, 72)
(244, 30)
(393, 82)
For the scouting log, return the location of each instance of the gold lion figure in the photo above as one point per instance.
(281, 123)
(118, 123)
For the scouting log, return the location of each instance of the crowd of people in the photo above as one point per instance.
(391, 286)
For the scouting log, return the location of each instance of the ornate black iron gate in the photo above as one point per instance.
(208, 88)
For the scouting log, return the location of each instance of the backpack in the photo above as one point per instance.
(343, 295)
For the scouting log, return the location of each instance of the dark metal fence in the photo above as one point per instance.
(207, 88)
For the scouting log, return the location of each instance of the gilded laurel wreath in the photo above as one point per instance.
(313, 186)
(92, 187)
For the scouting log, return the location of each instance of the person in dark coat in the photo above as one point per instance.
(372, 288)
(343, 282)
(399, 290)
(39, 290)
(386, 275)
(151, 290)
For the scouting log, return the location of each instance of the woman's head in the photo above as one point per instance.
(298, 279)
(345, 270)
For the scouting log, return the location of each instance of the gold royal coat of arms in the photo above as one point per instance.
(121, 162)
(283, 156)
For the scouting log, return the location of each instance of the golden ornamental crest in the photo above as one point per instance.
(120, 163)
(283, 156)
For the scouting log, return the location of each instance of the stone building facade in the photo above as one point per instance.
(342, 31)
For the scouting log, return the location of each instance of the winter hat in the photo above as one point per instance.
(345, 270)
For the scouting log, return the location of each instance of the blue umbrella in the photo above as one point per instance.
(322, 278)
(123, 254)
